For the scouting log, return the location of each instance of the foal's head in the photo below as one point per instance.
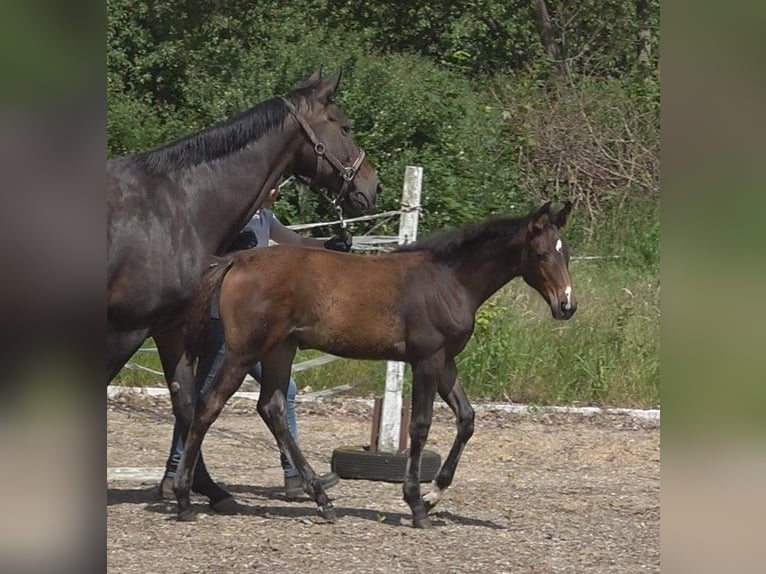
(545, 260)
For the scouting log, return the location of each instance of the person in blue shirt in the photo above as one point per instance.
(263, 227)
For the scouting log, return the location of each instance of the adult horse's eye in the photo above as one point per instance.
(542, 256)
(346, 130)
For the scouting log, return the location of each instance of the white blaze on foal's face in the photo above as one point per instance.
(568, 293)
(568, 290)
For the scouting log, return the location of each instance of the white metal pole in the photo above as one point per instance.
(390, 417)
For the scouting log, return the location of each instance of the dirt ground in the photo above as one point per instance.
(532, 494)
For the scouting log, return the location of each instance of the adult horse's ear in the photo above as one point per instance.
(561, 216)
(327, 87)
(312, 80)
(541, 218)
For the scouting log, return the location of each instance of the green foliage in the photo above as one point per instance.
(606, 355)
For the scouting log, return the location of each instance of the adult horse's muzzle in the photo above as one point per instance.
(363, 196)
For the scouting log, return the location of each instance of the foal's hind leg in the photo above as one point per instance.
(273, 410)
(208, 406)
(179, 375)
(454, 395)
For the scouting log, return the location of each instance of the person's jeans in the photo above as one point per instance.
(206, 370)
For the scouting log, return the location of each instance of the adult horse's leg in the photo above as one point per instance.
(208, 406)
(272, 407)
(426, 375)
(179, 376)
(121, 346)
(454, 395)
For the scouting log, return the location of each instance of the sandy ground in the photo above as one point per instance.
(533, 493)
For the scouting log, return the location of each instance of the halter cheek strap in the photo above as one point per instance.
(348, 173)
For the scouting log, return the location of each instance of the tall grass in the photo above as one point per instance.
(607, 354)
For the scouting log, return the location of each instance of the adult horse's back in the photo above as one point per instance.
(168, 209)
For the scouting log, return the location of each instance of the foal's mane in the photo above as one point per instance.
(444, 244)
(223, 138)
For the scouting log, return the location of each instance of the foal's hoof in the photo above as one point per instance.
(225, 506)
(187, 516)
(328, 513)
(422, 523)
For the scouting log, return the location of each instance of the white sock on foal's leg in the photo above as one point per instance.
(434, 495)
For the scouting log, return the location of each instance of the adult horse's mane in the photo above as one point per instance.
(223, 138)
(446, 243)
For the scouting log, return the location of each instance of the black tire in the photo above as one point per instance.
(358, 462)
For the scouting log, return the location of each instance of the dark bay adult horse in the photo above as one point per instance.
(170, 208)
(417, 304)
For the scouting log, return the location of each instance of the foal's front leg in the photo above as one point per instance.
(273, 410)
(208, 406)
(425, 376)
(454, 395)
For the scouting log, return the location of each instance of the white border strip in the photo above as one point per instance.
(135, 473)
(113, 391)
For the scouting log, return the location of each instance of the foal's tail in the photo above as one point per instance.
(197, 327)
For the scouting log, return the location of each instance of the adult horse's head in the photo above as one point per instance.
(545, 260)
(330, 157)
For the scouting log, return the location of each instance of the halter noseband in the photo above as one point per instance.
(348, 173)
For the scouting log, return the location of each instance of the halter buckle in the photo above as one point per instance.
(348, 174)
(320, 148)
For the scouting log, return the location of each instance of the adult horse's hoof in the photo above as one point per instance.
(211, 490)
(328, 513)
(422, 523)
(225, 506)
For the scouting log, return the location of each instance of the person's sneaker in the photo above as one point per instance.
(294, 487)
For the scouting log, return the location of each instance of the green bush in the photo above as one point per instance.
(475, 102)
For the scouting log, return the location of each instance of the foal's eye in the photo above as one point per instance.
(542, 256)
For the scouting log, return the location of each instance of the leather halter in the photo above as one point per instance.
(348, 173)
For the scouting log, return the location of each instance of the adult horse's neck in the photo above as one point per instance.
(222, 194)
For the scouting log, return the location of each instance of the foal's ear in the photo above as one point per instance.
(541, 218)
(561, 216)
(327, 87)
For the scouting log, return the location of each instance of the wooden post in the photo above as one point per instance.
(375, 435)
(391, 415)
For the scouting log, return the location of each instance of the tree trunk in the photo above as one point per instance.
(644, 37)
(545, 30)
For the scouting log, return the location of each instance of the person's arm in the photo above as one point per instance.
(285, 235)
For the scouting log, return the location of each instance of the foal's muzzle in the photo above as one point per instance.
(563, 309)
(567, 312)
